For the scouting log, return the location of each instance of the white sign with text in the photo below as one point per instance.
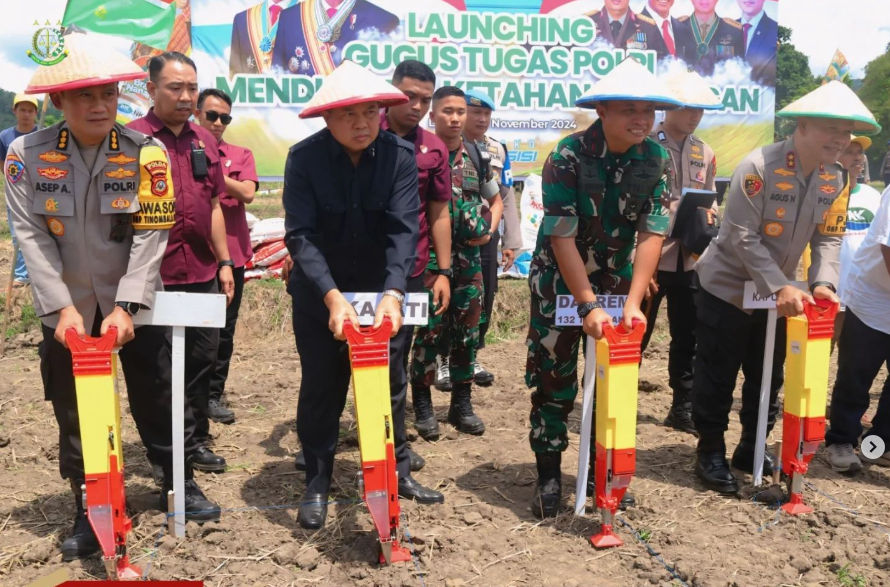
(567, 309)
(415, 310)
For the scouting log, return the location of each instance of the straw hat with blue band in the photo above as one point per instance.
(630, 81)
(834, 100)
(480, 99)
(352, 84)
(692, 90)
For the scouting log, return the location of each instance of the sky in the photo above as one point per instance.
(819, 27)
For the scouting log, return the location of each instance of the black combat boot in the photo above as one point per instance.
(82, 542)
(220, 413)
(424, 418)
(548, 490)
(680, 418)
(711, 465)
(460, 414)
(743, 457)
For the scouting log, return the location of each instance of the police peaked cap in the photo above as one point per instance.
(480, 99)
(90, 61)
(352, 84)
(630, 81)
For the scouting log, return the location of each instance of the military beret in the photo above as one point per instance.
(479, 98)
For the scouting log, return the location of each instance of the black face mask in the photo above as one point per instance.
(213, 116)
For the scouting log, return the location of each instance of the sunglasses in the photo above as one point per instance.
(213, 116)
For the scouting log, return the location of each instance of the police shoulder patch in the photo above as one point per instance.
(15, 168)
(155, 193)
(752, 184)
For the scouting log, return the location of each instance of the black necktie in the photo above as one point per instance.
(616, 29)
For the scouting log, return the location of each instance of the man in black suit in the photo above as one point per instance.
(660, 12)
(706, 39)
(623, 29)
(760, 35)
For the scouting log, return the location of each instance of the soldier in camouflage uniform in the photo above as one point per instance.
(603, 188)
(456, 332)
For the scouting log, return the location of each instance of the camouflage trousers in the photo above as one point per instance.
(551, 367)
(454, 333)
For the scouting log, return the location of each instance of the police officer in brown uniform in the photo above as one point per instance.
(91, 202)
(694, 166)
(778, 204)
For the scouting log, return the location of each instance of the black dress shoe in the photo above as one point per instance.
(713, 470)
(627, 500)
(205, 460)
(411, 489)
(300, 461)
(313, 510)
(219, 413)
(743, 459)
(197, 507)
(417, 461)
(680, 418)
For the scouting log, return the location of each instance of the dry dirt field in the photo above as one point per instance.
(484, 534)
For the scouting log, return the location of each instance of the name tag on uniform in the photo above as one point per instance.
(415, 310)
(567, 309)
(755, 301)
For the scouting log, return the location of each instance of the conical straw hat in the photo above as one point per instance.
(91, 61)
(692, 90)
(352, 84)
(629, 81)
(833, 100)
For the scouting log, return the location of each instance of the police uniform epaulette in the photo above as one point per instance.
(646, 19)
(732, 22)
(683, 18)
(46, 135)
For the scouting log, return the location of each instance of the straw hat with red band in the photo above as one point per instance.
(91, 61)
(352, 84)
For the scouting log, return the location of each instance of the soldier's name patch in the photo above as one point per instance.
(785, 186)
(121, 159)
(14, 168)
(121, 203)
(752, 185)
(120, 173)
(828, 189)
(51, 205)
(774, 229)
(51, 188)
(52, 173)
(784, 172)
(790, 198)
(53, 157)
(55, 226)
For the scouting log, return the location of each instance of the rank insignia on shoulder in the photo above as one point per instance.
(63, 139)
(790, 160)
(113, 143)
(121, 159)
(14, 168)
(784, 172)
(120, 203)
(52, 173)
(55, 226)
(752, 185)
(51, 205)
(53, 157)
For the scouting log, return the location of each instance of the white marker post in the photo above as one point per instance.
(181, 311)
(567, 315)
(754, 301)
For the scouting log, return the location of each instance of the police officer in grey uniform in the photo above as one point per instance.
(778, 203)
(91, 203)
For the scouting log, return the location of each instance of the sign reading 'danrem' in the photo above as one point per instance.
(415, 310)
(567, 309)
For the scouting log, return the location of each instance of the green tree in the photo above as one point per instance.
(875, 93)
(793, 78)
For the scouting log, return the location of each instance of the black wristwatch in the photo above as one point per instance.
(226, 263)
(131, 308)
(449, 273)
(587, 307)
(825, 283)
